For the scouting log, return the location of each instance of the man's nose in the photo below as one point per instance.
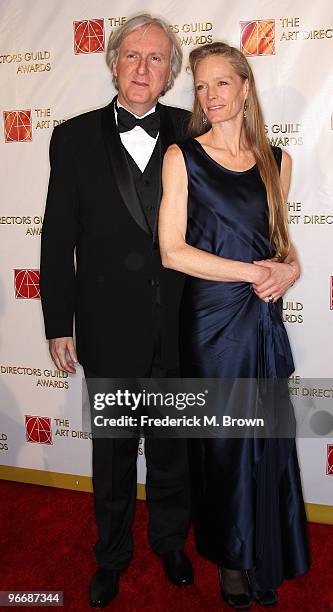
(142, 66)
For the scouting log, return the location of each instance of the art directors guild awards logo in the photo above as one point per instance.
(89, 36)
(331, 293)
(259, 36)
(26, 283)
(39, 430)
(18, 124)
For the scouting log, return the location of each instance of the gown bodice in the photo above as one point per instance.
(226, 329)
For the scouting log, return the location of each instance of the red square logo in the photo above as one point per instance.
(27, 284)
(329, 463)
(258, 37)
(38, 429)
(331, 293)
(89, 36)
(17, 126)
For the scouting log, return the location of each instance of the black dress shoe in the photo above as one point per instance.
(178, 568)
(241, 601)
(103, 587)
(266, 598)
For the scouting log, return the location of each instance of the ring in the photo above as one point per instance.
(271, 299)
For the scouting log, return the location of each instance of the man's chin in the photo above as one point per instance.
(140, 96)
(144, 102)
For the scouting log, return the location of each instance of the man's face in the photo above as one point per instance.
(142, 68)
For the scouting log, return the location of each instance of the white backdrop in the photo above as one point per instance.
(52, 67)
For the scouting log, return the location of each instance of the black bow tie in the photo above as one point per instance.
(127, 121)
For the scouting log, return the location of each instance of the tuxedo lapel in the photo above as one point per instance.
(121, 170)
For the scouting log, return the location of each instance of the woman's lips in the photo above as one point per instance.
(215, 107)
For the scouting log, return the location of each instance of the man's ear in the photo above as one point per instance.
(114, 69)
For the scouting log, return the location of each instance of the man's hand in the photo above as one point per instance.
(282, 277)
(63, 353)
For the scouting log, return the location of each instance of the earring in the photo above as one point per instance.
(245, 109)
(204, 120)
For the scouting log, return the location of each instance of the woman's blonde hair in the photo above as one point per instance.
(254, 128)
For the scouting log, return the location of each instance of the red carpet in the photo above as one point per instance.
(46, 542)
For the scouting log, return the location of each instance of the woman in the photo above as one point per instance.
(223, 223)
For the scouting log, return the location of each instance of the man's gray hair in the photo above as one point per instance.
(133, 24)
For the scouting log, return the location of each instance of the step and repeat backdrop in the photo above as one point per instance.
(52, 67)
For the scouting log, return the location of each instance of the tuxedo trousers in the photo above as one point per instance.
(115, 489)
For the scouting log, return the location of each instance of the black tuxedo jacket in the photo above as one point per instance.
(99, 258)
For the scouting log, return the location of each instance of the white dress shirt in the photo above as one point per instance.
(137, 142)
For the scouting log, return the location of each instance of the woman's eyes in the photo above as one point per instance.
(201, 87)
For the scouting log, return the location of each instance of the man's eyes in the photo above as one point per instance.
(153, 58)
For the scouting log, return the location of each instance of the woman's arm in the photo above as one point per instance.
(175, 252)
(283, 275)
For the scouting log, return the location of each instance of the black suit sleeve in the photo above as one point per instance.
(59, 234)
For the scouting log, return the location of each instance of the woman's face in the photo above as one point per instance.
(219, 90)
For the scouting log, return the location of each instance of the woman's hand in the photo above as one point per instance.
(282, 276)
(259, 275)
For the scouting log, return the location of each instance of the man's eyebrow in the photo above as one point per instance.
(151, 52)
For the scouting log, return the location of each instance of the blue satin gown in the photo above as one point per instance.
(247, 499)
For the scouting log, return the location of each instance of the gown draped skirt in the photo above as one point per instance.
(248, 508)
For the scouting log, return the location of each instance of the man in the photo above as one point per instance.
(103, 199)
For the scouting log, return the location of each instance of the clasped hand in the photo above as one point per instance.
(280, 278)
